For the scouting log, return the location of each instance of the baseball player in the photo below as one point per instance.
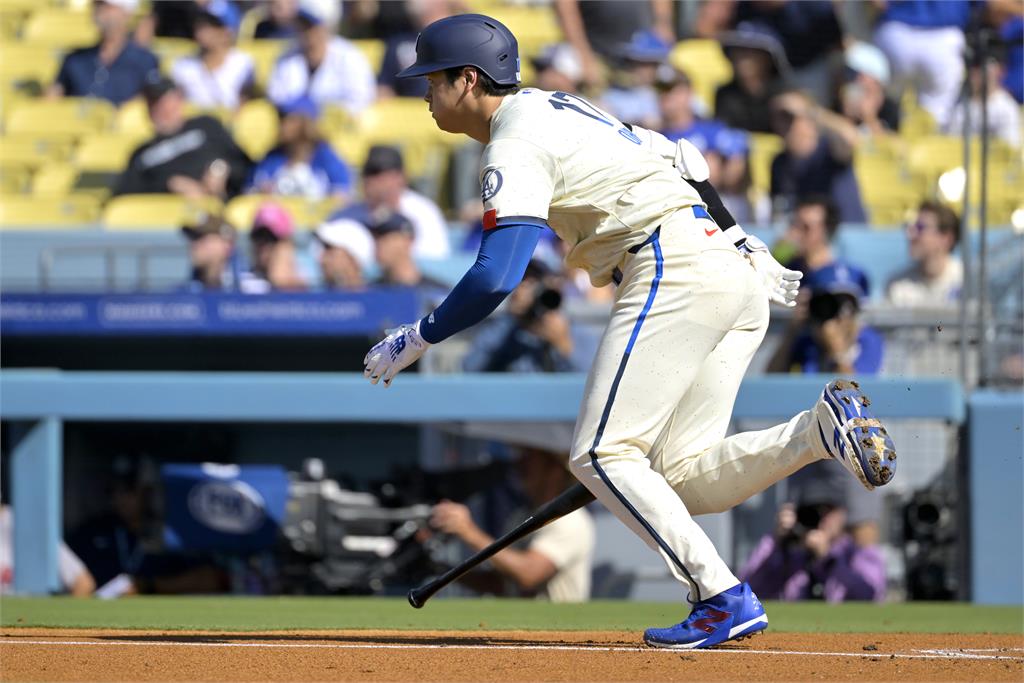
(691, 307)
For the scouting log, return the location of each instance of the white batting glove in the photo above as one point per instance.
(401, 348)
(781, 283)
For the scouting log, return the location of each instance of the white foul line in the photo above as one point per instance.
(922, 654)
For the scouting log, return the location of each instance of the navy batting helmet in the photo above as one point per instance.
(467, 40)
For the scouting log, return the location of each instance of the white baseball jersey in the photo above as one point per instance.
(601, 187)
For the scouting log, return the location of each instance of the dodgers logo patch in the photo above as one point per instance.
(491, 184)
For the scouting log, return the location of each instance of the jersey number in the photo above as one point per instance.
(562, 101)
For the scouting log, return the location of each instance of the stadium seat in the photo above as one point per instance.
(22, 62)
(55, 179)
(763, 149)
(533, 26)
(888, 191)
(350, 146)
(406, 123)
(105, 152)
(169, 50)
(32, 152)
(70, 117)
(308, 215)
(133, 120)
(14, 178)
(153, 211)
(373, 50)
(706, 65)
(264, 54)
(70, 211)
(65, 29)
(255, 128)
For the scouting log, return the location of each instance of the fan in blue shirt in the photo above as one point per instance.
(302, 164)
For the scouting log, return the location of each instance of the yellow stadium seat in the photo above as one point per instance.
(534, 27)
(917, 123)
(351, 147)
(60, 28)
(105, 152)
(70, 211)
(154, 211)
(31, 151)
(373, 50)
(250, 20)
(70, 117)
(264, 54)
(763, 149)
(406, 123)
(55, 179)
(20, 61)
(14, 178)
(11, 21)
(307, 214)
(132, 119)
(706, 65)
(169, 50)
(255, 128)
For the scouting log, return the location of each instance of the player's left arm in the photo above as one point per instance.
(500, 266)
(780, 283)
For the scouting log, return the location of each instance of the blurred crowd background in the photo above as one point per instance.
(262, 147)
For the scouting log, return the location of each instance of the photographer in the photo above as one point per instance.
(826, 333)
(813, 554)
(533, 335)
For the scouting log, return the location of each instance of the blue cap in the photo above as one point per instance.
(838, 278)
(221, 12)
(302, 104)
(645, 46)
(467, 40)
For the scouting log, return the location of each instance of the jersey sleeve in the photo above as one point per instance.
(518, 183)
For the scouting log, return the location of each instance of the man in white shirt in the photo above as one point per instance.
(326, 67)
(220, 75)
(936, 276)
(556, 564)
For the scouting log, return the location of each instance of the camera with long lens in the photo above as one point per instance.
(545, 300)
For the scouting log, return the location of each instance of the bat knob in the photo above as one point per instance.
(414, 599)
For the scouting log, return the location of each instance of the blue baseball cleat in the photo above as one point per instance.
(853, 435)
(731, 615)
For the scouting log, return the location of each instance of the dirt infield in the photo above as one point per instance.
(95, 655)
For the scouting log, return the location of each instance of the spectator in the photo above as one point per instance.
(1012, 33)
(604, 28)
(279, 23)
(631, 97)
(211, 252)
(924, 41)
(115, 69)
(177, 18)
(814, 553)
(532, 335)
(400, 50)
(863, 99)
(745, 101)
(273, 252)
(936, 277)
(220, 75)
(75, 578)
(193, 157)
(825, 334)
(813, 226)
(817, 158)
(386, 190)
(1003, 110)
(724, 148)
(556, 563)
(393, 239)
(302, 163)
(558, 68)
(116, 546)
(345, 252)
(326, 68)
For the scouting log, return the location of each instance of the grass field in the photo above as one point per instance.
(329, 613)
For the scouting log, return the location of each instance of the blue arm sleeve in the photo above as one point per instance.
(500, 266)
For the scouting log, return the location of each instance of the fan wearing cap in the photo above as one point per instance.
(302, 164)
(345, 250)
(386, 190)
(273, 252)
(220, 75)
(326, 67)
(558, 68)
(176, 18)
(116, 68)
(863, 96)
(279, 21)
(211, 253)
(194, 157)
(400, 49)
(631, 97)
(830, 335)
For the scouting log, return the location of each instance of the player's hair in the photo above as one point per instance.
(949, 222)
(487, 83)
(831, 211)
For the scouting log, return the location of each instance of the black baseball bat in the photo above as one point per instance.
(572, 499)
